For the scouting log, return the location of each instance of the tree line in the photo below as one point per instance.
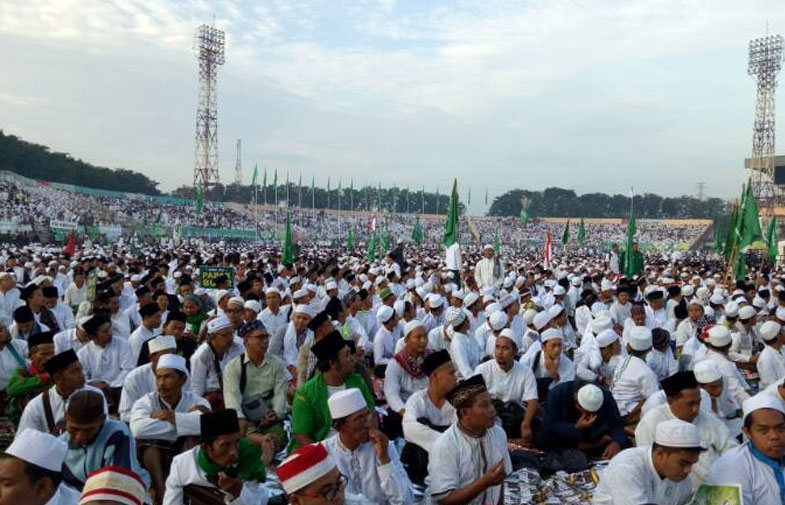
(36, 161)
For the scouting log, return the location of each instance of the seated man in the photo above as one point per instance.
(141, 380)
(363, 454)
(584, 417)
(72, 338)
(633, 380)
(311, 421)
(512, 387)
(310, 476)
(223, 460)
(46, 412)
(31, 471)
(455, 474)
(657, 473)
(598, 362)
(95, 441)
(684, 400)
(151, 321)
(174, 326)
(428, 414)
(29, 380)
(549, 364)
(255, 387)
(714, 391)
(210, 359)
(756, 465)
(162, 421)
(106, 359)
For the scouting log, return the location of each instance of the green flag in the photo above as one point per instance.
(771, 239)
(717, 246)
(255, 175)
(275, 181)
(749, 229)
(730, 239)
(740, 268)
(581, 233)
(349, 241)
(264, 181)
(199, 198)
(524, 217)
(451, 224)
(497, 242)
(417, 235)
(328, 183)
(287, 252)
(384, 239)
(371, 254)
(469, 199)
(379, 196)
(629, 258)
(566, 235)
(486, 196)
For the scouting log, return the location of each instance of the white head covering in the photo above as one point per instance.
(550, 334)
(590, 398)
(497, 320)
(345, 403)
(732, 309)
(601, 324)
(303, 309)
(719, 336)
(528, 316)
(470, 299)
(746, 312)
(555, 310)
(762, 401)
(218, 324)
(172, 361)
(769, 330)
(677, 433)
(640, 338)
(411, 326)
(40, 449)
(606, 338)
(384, 314)
(541, 320)
(512, 336)
(161, 343)
(707, 371)
(253, 305)
(454, 316)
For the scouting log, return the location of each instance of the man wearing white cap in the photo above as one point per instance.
(633, 380)
(72, 338)
(715, 396)
(31, 471)
(496, 322)
(385, 339)
(657, 473)
(363, 454)
(743, 338)
(684, 402)
(464, 349)
(309, 476)
(718, 344)
(549, 364)
(212, 356)
(160, 420)
(488, 271)
(756, 465)
(620, 308)
(512, 387)
(295, 334)
(272, 316)
(771, 361)
(598, 362)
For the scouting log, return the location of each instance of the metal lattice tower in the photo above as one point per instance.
(238, 164)
(765, 62)
(209, 48)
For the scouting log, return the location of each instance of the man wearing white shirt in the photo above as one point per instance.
(63, 315)
(212, 356)
(161, 419)
(74, 338)
(488, 271)
(106, 359)
(718, 344)
(272, 316)
(633, 380)
(756, 466)
(656, 315)
(452, 260)
(141, 380)
(363, 454)
(549, 364)
(657, 473)
(9, 297)
(771, 361)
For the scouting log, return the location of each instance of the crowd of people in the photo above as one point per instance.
(428, 375)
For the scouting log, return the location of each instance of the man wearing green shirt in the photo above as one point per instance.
(311, 420)
(636, 268)
(255, 386)
(28, 381)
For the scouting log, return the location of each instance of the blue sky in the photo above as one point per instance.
(595, 95)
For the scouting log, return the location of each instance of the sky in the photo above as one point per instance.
(593, 95)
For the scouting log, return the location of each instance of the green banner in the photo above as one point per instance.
(208, 276)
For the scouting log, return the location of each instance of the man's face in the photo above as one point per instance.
(300, 322)
(552, 347)
(694, 312)
(504, 352)
(356, 425)
(488, 253)
(83, 433)
(224, 450)
(273, 301)
(169, 382)
(153, 321)
(656, 304)
(767, 433)
(174, 328)
(327, 490)
(186, 289)
(639, 318)
(675, 465)
(345, 361)
(235, 313)
(686, 405)
(162, 301)
(481, 413)
(103, 336)
(113, 305)
(623, 297)
(222, 339)
(36, 298)
(256, 343)
(190, 308)
(445, 377)
(714, 388)
(41, 354)
(72, 378)
(15, 485)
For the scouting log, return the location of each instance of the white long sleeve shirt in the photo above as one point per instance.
(633, 382)
(110, 364)
(736, 384)
(399, 385)
(386, 484)
(34, 417)
(186, 423)
(419, 406)
(204, 376)
(518, 385)
(771, 366)
(465, 355)
(740, 467)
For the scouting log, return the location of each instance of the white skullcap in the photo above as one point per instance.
(678, 434)
(300, 293)
(435, 301)
(40, 449)
(551, 334)
(606, 285)
(606, 338)
(237, 300)
(717, 299)
(459, 294)
(329, 285)
(770, 330)
(454, 317)
(136, 278)
(576, 281)
(528, 316)
(384, 314)
(559, 291)
(687, 290)
(555, 310)
(590, 398)
(493, 307)
(218, 324)
(470, 299)
(507, 284)
(488, 299)
(746, 312)
(732, 309)
(512, 336)
(303, 309)
(488, 291)
(220, 294)
(780, 313)
(377, 282)
(758, 302)
(399, 307)
(719, 336)
(487, 246)
(497, 320)
(640, 338)
(345, 403)
(161, 343)
(762, 401)
(274, 291)
(598, 307)
(541, 320)
(601, 324)
(506, 301)
(411, 326)
(173, 361)
(253, 305)
(706, 371)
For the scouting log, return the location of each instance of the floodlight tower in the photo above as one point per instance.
(238, 164)
(209, 48)
(765, 62)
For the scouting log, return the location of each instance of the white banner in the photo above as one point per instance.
(64, 225)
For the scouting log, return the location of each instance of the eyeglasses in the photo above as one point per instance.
(233, 311)
(331, 493)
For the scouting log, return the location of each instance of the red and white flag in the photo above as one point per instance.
(372, 223)
(548, 240)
